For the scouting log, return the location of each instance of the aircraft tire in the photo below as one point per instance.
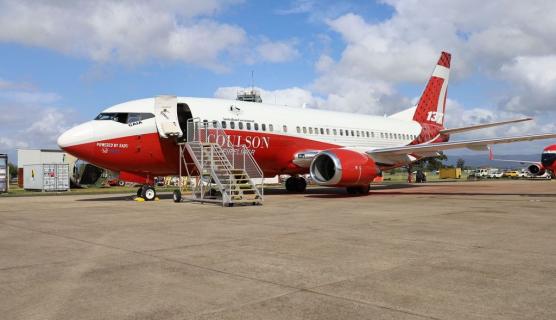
(301, 185)
(140, 191)
(296, 184)
(148, 193)
(290, 184)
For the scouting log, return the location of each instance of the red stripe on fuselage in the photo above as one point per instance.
(148, 154)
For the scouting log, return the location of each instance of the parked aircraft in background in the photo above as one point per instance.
(139, 138)
(547, 163)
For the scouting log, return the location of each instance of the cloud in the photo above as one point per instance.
(124, 31)
(401, 49)
(30, 118)
(298, 7)
(277, 51)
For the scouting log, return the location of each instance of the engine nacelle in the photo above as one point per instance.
(536, 170)
(343, 167)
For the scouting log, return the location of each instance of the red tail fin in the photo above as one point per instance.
(432, 104)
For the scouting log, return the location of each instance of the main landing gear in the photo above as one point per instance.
(296, 184)
(361, 190)
(146, 192)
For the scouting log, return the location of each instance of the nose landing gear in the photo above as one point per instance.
(296, 184)
(146, 192)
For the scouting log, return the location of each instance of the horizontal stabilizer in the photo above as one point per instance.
(482, 126)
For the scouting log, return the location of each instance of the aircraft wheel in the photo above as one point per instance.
(140, 191)
(177, 196)
(296, 184)
(301, 185)
(148, 193)
(121, 183)
(290, 184)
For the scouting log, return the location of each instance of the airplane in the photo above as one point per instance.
(139, 138)
(547, 163)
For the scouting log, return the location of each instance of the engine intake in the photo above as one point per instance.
(343, 167)
(536, 170)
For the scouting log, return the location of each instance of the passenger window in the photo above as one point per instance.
(304, 129)
(285, 128)
(321, 131)
(263, 127)
(248, 125)
(327, 131)
(256, 126)
(357, 133)
(270, 127)
(298, 129)
(214, 124)
(391, 136)
(334, 131)
(372, 134)
(352, 133)
(232, 125)
(341, 132)
(310, 130)
(240, 125)
(223, 124)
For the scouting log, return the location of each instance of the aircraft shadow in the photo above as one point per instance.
(129, 197)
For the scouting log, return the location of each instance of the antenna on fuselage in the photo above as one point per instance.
(250, 95)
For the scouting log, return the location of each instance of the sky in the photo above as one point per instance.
(62, 62)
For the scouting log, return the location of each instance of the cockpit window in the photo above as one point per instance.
(124, 117)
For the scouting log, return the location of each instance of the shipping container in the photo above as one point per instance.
(41, 156)
(450, 173)
(4, 173)
(46, 177)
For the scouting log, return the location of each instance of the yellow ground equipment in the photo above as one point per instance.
(450, 173)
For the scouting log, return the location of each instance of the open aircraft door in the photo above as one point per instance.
(166, 116)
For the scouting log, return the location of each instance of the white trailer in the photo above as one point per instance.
(4, 173)
(46, 177)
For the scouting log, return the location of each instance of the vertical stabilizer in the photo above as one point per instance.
(432, 104)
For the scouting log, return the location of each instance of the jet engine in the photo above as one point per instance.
(536, 170)
(343, 167)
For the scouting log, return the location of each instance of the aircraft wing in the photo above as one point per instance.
(477, 145)
(482, 126)
(518, 161)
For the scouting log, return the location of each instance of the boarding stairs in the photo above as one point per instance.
(224, 173)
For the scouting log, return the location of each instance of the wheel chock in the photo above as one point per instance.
(156, 199)
(139, 199)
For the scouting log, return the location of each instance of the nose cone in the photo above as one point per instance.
(76, 136)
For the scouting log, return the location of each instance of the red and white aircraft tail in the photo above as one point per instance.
(432, 104)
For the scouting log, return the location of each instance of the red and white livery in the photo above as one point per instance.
(337, 149)
(547, 165)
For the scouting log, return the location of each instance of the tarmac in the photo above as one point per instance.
(473, 250)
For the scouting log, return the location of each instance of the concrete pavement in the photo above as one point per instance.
(474, 250)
